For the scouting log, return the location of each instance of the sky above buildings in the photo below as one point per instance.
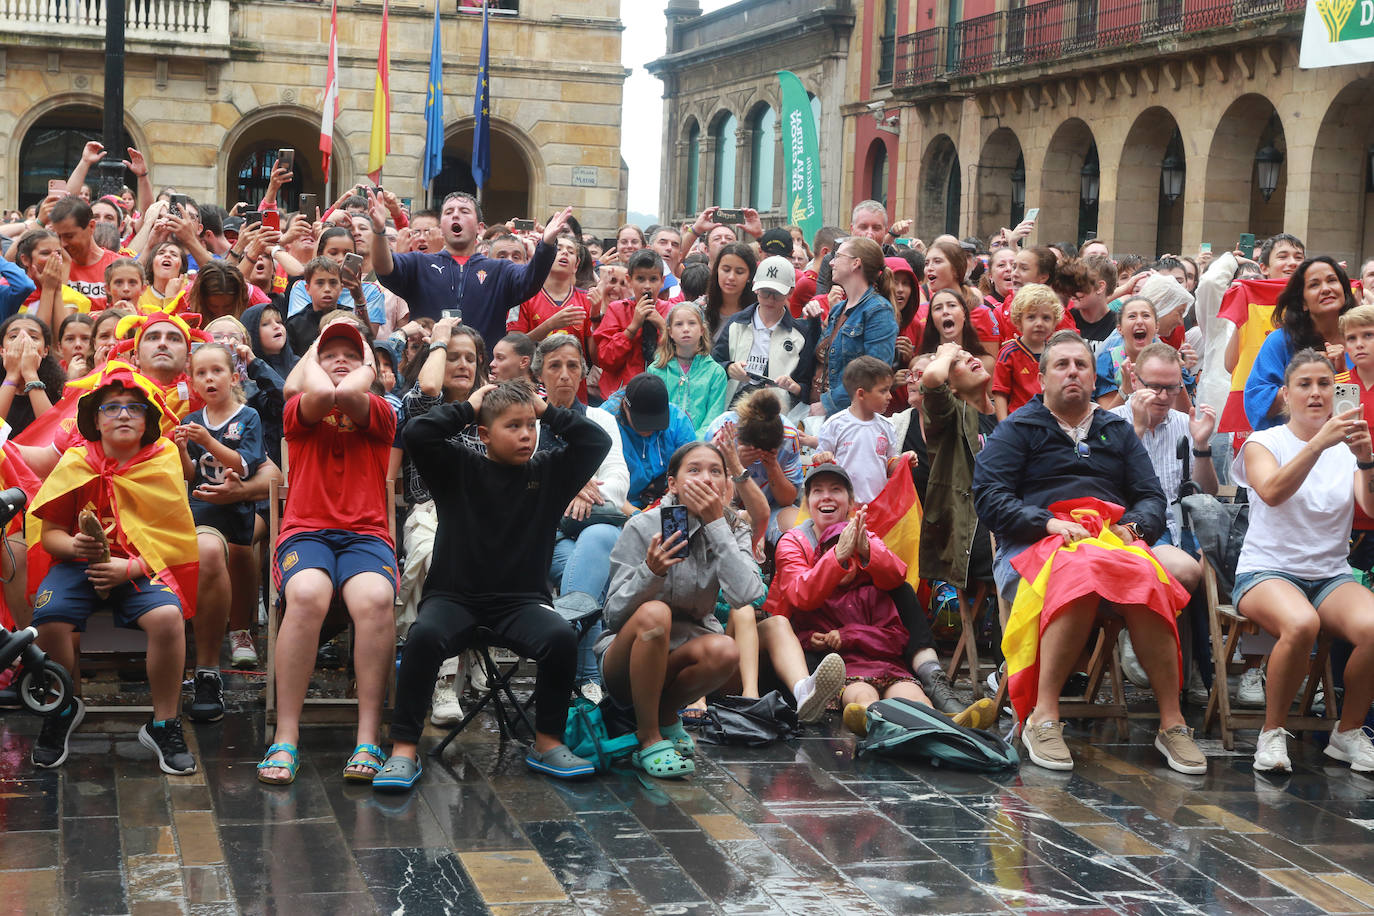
(641, 142)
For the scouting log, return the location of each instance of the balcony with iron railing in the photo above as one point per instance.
(1052, 30)
(179, 25)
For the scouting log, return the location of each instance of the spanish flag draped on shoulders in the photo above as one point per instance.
(1249, 305)
(1054, 575)
(141, 501)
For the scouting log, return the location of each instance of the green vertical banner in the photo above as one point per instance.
(803, 156)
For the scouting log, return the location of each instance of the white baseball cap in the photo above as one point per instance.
(775, 273)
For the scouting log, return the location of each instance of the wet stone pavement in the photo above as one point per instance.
(800, 828)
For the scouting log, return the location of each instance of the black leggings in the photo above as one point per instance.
(443, 627)
(913, 617)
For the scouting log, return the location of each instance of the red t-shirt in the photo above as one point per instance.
(803, 292)
(530, 314)
(63, 510)
(338, 471)
(1362, 520)
(1016, 375)
(89, 279)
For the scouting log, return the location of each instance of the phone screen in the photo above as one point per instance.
(724, 216)
(674, 518)
(1032, 213)
(523, 225)
(1205, 248)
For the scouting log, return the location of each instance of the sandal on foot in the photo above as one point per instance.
(661, 760)
(289, 765)
(398, 775)
(684, 743)
(373, 766)
(695, 714)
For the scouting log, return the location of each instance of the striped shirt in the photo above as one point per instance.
(1162, 445)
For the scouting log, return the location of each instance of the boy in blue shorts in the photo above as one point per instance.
(131, 479)
(334, 537)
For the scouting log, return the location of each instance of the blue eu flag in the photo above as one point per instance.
(434, 107)
(481, 111)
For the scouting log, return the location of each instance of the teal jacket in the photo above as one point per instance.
(700, 393)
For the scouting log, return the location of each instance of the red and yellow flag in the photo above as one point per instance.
(1054, 576)
(151, 514)
(895, 516)
(61, 417)
(380, 144)
(1249, 305)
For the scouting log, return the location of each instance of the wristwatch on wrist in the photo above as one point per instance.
(438, 345)
(741, 477)
(1202, 452)
(1131, 527)
(1365, 465)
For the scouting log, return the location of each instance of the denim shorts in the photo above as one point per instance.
(1315, 590)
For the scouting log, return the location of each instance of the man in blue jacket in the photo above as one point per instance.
(458, 277)
(1059, 446)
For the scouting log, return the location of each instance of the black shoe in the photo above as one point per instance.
(169, 744)
(941, 693)
(1076, 685)
(208, 705)
(328, 656)
(50, 750)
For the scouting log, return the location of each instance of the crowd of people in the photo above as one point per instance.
(651, 466)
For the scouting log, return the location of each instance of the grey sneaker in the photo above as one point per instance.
(1196, 693)
(1250, 691)
(941, 693)
(1180, 750)
(1045, 745)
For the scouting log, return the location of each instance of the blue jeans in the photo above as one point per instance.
(584, 565)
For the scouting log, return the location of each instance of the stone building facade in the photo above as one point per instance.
(214, 87)
(1155, 125)
(721, 144)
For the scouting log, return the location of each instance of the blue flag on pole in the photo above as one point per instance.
(481, 111)
(434, 106)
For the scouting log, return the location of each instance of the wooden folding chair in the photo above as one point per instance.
(971, 611)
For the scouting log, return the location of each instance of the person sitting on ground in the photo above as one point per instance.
(497, 517)
(1060, 448)
(1301, 474)
(334, 539)
(663, 646)
(860, 439)
(131, 478)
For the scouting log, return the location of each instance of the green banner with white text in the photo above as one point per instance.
(803, 156)
(1337, 32)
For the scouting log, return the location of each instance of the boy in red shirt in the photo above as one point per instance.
(559, 307)
(628, 334)
(335, 538)
(1035, 311)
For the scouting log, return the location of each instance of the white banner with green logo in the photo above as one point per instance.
(1337, 32)
(803, 156)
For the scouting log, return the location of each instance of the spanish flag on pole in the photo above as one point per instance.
(1249, 305)
(380, 144)
(1054, 576)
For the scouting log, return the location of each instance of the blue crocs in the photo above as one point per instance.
(398, 775)
(558, 762)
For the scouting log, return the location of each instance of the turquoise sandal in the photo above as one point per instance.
(375, 765)
(662, 761)
(289, 765)
(684, 743)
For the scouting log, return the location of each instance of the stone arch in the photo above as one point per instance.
(1145, 222)
(1059, 194)
(273, 126)
(939, 191)
(518, 185)
(1233, 202)
(85, 105)
(1344, 226)
(1001, 151)
(723, 188)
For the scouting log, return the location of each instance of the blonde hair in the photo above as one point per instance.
(1035, 296)
(237, 392)
(1361, 316)
(667, 349)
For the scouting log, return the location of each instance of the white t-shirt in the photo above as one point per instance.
(862, 448)
(763, 339)
(1307, 535)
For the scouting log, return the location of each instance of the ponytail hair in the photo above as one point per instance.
(760, 419)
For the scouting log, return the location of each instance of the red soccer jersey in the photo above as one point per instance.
(621, 358)
(338, 471)
(533, 312)
(1017, 374)
(89, 279)
(803, 292)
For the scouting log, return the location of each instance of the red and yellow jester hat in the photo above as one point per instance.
(187, 323)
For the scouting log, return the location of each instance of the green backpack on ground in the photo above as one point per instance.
(587, 737)
(905, 728)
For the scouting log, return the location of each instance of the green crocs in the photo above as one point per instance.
(682, 742)
(662, 761)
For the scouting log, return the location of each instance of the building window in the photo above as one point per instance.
(693, 167)
(761, 158)
(724, 190)
(52, 147)
(254, 172)
(878, 189)
(887, 44)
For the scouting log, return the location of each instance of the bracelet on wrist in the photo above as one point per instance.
(1365, 465)
(438, 345)
(10, 382)
(1202, 453)
(34, 385)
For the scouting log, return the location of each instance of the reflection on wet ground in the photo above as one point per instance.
(799, 828)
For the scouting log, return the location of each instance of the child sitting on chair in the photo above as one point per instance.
(498, 515)
(131, 479)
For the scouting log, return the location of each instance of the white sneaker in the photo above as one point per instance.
(242, 653)
(1130, 665)
(447, 712)
(1271, 751)
(1353, 747)
(477, 672)
(1250, 692)
(593, 692)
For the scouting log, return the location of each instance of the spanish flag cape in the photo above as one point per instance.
(14, 473)
(1249, 305)
(1054, 575)
(148, 495)
(895, 516)
(61, 417)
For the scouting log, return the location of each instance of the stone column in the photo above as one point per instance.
(706, 173)
(744, 165)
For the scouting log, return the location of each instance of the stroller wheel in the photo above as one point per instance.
(46, 690)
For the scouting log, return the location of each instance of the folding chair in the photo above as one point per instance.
(971, 611)
(1220, 529)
